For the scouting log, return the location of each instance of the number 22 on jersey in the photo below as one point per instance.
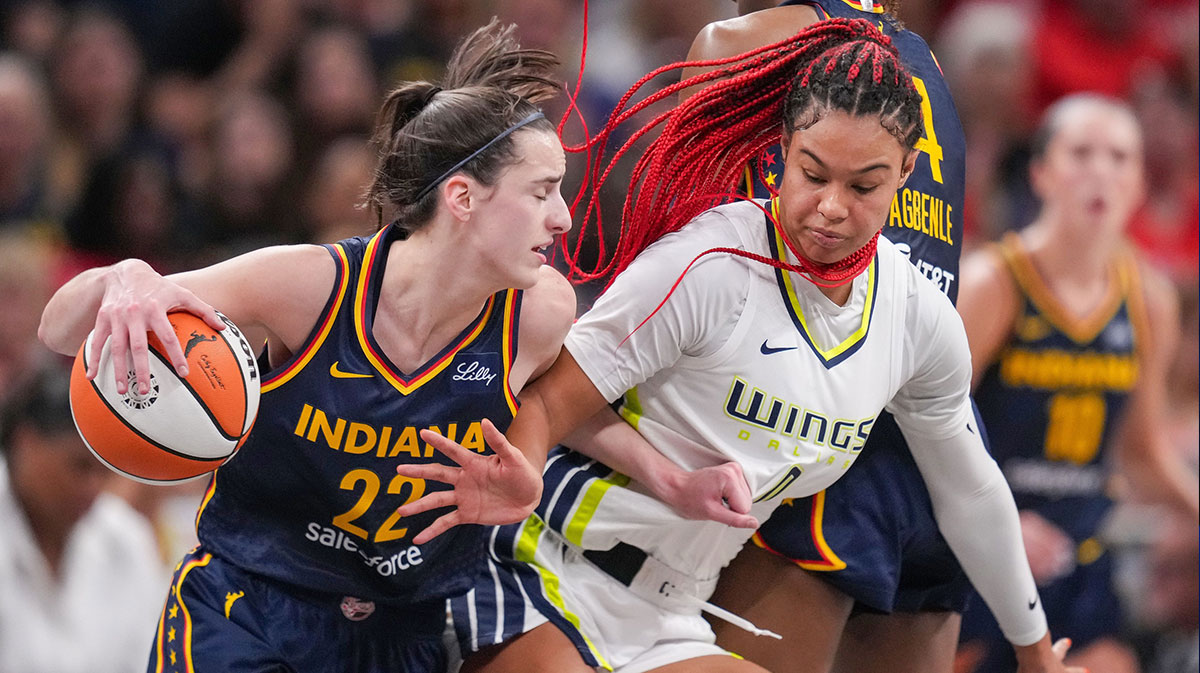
(371, 484)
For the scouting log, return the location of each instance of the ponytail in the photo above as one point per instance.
(425, 132)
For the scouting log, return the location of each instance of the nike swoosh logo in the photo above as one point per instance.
(339, 374)
(1033, 603)
(970, 429)
(767, 350)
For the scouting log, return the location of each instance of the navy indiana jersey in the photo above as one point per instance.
(925, 221)
(1056, 390)
(311, 498)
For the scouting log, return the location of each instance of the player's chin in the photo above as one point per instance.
(527, 275)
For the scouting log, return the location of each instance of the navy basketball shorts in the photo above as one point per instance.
(220, 619)
(1082, 605)
(872, 534)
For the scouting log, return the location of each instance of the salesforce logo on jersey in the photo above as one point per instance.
(476, 373)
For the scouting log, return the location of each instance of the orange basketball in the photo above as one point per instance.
(185, 426)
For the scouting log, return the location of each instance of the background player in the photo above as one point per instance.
(868, 545)
(632, 600)
(1071, 339)
(303, 563)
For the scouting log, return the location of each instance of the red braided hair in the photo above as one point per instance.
(706, 141)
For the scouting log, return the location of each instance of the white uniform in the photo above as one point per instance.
(745, 363)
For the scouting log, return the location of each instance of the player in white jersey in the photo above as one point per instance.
(767, 333)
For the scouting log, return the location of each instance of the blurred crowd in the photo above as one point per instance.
(185, 131)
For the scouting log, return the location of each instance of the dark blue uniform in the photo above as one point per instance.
(872, 534)
(1056, 389)
(303, 564)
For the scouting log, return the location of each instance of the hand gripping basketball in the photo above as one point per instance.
(495, 489)
(135, 304)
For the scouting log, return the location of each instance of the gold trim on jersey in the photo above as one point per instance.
(856, 337)
(506, 346)
(875, 7)
(184, 641)
(1136, 301)
(829, 560)
(428, 370)
(280, 378)
(208, 494)
(1080, 329)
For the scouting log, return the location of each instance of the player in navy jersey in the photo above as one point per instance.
(864, 556)
(1070, 340)
(435, 321)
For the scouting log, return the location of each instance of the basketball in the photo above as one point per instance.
(183, 427)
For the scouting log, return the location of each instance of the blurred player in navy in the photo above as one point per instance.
(1070, 340)
(437, 320)
(864, 556)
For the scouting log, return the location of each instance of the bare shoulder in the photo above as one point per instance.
(730, 37)
(722, 39)
(280, 290)
(985, 276)
(1160, 297)
(1160, 301)
(988, 302)
(548, 309)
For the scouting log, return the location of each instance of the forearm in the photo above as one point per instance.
(71, 312)
(607, 438)
(985, 534)
(530, 431)
(976, 513)
(554, 405)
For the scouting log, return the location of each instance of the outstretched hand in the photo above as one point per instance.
(495, 489)
(717, 493)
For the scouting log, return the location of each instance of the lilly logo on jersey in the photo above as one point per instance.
(475, 372)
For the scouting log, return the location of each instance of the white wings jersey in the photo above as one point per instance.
(744, 362)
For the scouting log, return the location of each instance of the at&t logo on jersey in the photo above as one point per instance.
(942, 278)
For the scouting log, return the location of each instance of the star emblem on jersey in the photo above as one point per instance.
(339, 374)
(768, 350)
